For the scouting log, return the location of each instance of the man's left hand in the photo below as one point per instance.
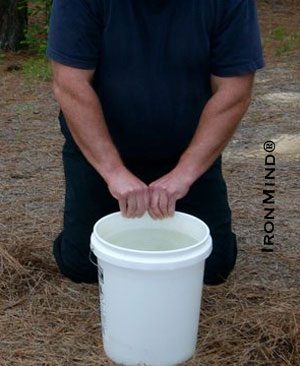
(164, 192)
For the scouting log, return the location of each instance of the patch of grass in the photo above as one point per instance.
(19, 136)
(278, 33)
(286, 41)
(36, 68)
(23, 108)
(285, 47)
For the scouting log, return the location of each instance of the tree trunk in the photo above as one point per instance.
(13, 22)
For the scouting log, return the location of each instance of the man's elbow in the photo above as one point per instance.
(240, 102)
(247, 101)
(56, 90)
(63, 88)
(70, 81)
(243, 99)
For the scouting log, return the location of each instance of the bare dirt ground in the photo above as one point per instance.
(251, 320)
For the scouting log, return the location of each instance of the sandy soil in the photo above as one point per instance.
(251, 320)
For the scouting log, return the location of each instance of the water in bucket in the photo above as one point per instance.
(151, 239)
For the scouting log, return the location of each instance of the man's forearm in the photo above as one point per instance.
(217, 124)
(84, 114)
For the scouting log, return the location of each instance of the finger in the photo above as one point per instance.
(131, 205)
(147, 200)
(151, 214)
(163, 203)
(140, 205)
(123, 206)
(171, 206)
(155, 211)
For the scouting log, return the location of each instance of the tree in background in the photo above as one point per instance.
(24, 23)
(38, 25)
(13, 23)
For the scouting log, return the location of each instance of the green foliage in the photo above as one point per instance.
(286, 41)
(36, 38)
(285, 47)
(290, 42)
(278, 33)
(36, 33)
(36, 68)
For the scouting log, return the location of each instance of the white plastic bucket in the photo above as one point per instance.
(150, 299)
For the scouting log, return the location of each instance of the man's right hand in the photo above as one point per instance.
(130, 191)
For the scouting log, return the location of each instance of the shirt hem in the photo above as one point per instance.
(239, 69)
(65, 60)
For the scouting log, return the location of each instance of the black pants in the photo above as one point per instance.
(87, 199)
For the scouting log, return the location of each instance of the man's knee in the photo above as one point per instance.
(74, 264)
(222, 260)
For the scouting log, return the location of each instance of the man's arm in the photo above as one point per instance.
(82, 109)
(219, 119)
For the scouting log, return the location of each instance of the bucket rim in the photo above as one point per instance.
(152, 252)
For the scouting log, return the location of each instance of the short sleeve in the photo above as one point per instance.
(236, 43)
(75, 32)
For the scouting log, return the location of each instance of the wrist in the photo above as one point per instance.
(109, 168)
(189, 169)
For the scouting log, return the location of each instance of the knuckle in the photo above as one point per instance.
(129, 191)
(164, 188)
(122, 195)
(172, 192)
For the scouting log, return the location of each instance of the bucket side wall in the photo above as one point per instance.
(151, 316)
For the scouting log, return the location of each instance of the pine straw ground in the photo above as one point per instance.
(253, 319)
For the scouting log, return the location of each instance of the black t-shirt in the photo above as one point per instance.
(153, 60)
